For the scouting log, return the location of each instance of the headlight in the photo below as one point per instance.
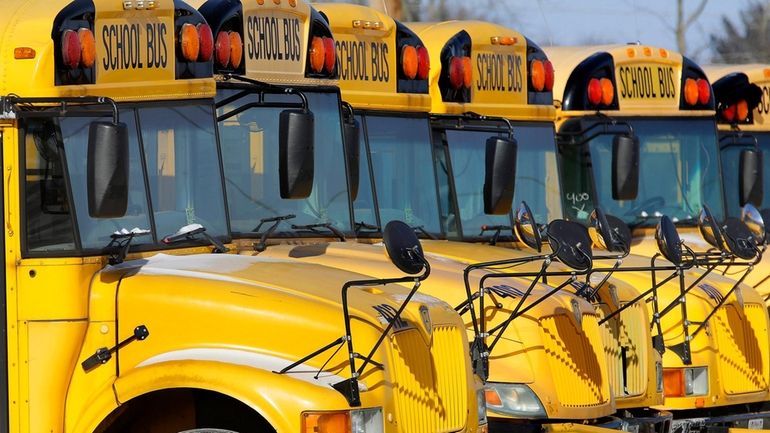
(481, 405)
(343, 421)
(513, 399)
(681, 382)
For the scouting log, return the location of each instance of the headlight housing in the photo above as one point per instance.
(513, 399)
(343, 421)
(685, 382)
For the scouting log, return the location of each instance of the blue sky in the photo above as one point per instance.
(564, 22)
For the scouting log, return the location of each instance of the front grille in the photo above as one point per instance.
(742, 347)
(429, 383)
(576, 360)
(624, 339)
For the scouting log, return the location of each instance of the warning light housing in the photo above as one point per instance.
(736, 98)
(541, 76)
(591, 86)
(456, 72)
(413, 61)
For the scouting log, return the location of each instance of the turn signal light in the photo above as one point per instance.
(330, 58)
(467, 72)
(690, 91)
(456, 72)
(317, 54)
(537, 75)
(236, 49)
(190, 42)
(329, 422)
(87, 47)
(673, 382)
(741, 110)
(223, 49)
(608, 91)
(70, 49)
(704, 91)
(409, 61)
(728, 113)
(549, 75)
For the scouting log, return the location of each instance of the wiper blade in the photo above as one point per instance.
(314, 228)
(358, 226)
(260, 245)
(421, 230)
(189, 232)
(497, 229)
(120, 242)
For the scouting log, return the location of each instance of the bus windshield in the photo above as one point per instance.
(402, 166)
(173, 156)
(536, 175)
(250, 155)
(678, 173)
(730, 155)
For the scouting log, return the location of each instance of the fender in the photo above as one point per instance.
(270, 394)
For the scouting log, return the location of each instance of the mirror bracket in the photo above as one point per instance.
(64, 106)
(604, 121)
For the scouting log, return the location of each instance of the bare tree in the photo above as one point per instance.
(684, 21)
(745, 42)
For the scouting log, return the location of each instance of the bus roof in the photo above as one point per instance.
(646, 80)
(369, 45)
(499, 61)
(30, 41)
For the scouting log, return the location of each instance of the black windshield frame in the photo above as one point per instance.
(566, 146)
(245, 89)
(134, 109)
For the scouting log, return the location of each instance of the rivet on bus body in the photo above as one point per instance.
(631, 52)
(104, 329)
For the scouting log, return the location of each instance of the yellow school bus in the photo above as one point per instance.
(511, 83)
(314, 227)
(715, 378)
(742, 102)
(117, 315)
(433, 388)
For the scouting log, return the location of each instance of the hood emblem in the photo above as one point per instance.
(425, 316)
(577, 312)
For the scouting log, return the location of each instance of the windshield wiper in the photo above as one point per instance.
(120, 242)
(260, 245)
(427, 234)
(497, 229)
(189, 232)
(358, 226)
(314, 228)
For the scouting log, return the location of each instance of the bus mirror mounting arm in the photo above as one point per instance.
(351, 134)
(751, 175)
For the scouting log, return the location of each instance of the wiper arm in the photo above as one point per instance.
(314, 228)
(120, 242)
(357, 227)
(497, 229)
(261, 245)
(427, 234)
(188, 233)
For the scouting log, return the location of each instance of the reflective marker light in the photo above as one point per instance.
(537, 75)
(70, 49)
(223, 50)
(358, 421)
(206, 42)
(190, 42)
(87, 47)
(423, 63)
(317, 54)
(409, 62)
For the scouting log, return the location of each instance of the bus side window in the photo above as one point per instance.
(47, 208)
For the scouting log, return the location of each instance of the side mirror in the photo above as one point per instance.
(669, 243)
(739, 240)
(295, 153)
(526, 227)
(753, 219)
(403, 247)
(609, 232)
(750, 172)
(352, 130)
(709, 228)
(571, 244)
(625, 167)
(500, 175)
(107, 170)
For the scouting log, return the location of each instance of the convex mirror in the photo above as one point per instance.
(403, 247)
(669, 243)
(107, 169)
(609, 232)
(571, 243)
(296, 153)
(526, 227)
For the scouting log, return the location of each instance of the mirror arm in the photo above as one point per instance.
(700, 278)
(605, 122)
(639, 297)
(469, 115)
(19, 105)
(734, 136)
(721, 302)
